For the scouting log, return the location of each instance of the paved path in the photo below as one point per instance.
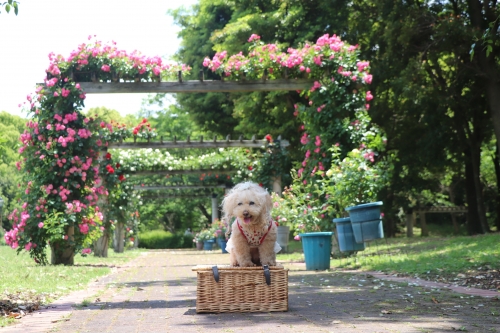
(157, 293)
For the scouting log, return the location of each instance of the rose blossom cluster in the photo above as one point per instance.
(61, 148)
(335, 72)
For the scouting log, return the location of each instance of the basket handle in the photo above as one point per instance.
(216, 273)
(267, 274)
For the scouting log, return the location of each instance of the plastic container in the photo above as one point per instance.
(345, 236)
(317, 247)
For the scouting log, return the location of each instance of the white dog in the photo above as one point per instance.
(253, 233)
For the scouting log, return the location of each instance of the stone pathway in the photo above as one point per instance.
(157, 293)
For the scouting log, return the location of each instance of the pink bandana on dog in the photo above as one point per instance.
(257, 237)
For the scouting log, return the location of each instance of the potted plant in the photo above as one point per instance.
(207, 236)
(198, 241)
(220, 231)
(281, 214)
(352, 184)
(310, 225)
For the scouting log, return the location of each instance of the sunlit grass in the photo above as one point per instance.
(428, 256)
(20, 272)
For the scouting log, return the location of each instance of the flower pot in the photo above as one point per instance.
(345, 236)
(283, 237)
(199, 245)
(366, 221)
(317, 247)
(365, 212)
(222, 244)
(367, 230)
(208, 245)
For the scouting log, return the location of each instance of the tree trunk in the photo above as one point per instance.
(101, 246)
(496, 163)
(475, 157)
(473, 225)
(119, 236)
(63, 253)
(493, 95)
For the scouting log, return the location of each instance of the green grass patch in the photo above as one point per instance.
(434, 257)
(161, 239)
(20, 274)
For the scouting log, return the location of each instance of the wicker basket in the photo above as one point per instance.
(241, 289)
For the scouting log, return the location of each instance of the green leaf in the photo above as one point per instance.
(7, 8)
(488, 50)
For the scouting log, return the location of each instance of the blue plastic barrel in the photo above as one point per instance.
(367, 230)
(365, 212)
(317, 247)
(345, 236)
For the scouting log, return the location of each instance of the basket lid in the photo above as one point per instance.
(232, 268)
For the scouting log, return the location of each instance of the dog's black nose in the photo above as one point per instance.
(245, 213)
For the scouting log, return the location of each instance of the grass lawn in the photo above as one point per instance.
(19, 274)
(437, 258)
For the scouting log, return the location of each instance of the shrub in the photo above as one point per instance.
(161, 239)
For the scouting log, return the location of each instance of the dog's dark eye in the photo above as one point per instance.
(240, 203)
(251, 203)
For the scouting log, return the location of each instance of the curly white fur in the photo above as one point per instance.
(251, 206)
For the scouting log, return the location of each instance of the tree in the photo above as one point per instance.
(10, 5)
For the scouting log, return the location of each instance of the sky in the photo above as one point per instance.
(59, 26)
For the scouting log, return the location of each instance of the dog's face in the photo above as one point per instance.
(247, 208)
(249, 203)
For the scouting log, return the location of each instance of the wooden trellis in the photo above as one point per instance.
(201, 143)
(199, 86)
(177, 187)
(194, 86)
(181, 172)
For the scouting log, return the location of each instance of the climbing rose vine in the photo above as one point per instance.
(333, 114)
(337, 97)
(61, 149)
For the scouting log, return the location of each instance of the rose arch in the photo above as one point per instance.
(68, 174)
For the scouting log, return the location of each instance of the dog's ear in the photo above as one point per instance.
(228, 204)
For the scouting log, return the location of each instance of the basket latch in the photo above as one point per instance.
(216, 273)
(267, 274)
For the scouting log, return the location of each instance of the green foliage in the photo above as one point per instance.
(204, 235)
(61, 150)
(283, 212)
(10, 5)
(274, 163)
(10, 129)
(161, 239)
(353, 180)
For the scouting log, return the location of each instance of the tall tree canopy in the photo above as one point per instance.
(436, 84)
